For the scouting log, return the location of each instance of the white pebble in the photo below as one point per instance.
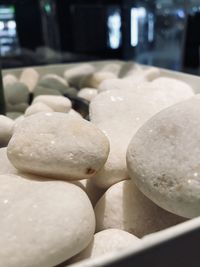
(108, 241)
(74, 75)
(37, 107)
(58, 145)
(163, 158)
(124, 207)
(87, 93)
(95, 79)
(54, 82)
(57, 103)
(29, 77)
(41, 221)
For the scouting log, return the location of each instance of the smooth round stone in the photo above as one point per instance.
(5, 165)
(58, 145)
(45, 91)
(75, 74)
(95, 79)
(29, 77)
(46, 215)
(108, 241)
(16, 93)
(54, 82)
(124, 207)
(6, 130)
(57, 103)
(87, 93)
(37, 107)
(163, 158)
(9, 79)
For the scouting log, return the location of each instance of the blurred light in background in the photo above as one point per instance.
(114, 28)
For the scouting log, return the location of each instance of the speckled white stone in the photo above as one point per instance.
(6, 130)
(87, 93)
(75, 74)
(57, 103)
(41, 221)
(124, 207)
(58, 145)
(108, 241)
(54, 82)
(9, 79)
(163, 158)
(29, 77)
(37, 107)
(119, 114)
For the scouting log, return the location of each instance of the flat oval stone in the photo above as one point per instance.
(107, 241)
(6, 130)
(41, 221)
(124, 207)
(58, 145)
(54, 82)
(75, 74)
(29, 77)
(163, 158)
(57, 103)
(87, 93)
(37, 107)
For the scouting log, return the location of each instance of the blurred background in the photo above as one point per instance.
(164, 33)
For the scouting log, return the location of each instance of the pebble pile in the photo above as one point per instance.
(74, 188)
